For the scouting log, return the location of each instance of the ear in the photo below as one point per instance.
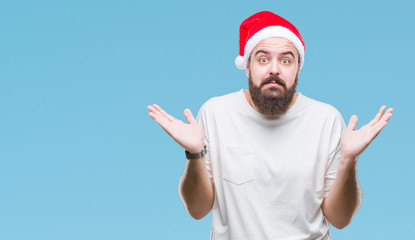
(247, 70)
(299, 69)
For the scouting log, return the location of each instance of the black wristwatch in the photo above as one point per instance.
(191, 156)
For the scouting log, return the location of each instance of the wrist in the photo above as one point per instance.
(196, 155)
(348, 161)
(348, 157)
(196, 148)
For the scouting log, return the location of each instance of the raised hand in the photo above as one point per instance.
(188, 135)
(354, 142)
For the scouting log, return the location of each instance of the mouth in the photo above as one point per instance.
(273, 84)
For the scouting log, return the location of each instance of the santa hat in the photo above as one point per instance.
(264, 25)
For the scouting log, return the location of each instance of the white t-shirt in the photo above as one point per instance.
(270, 176)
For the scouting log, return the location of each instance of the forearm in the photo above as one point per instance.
(196, 190)
(345, 196)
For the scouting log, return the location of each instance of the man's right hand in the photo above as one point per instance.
(188, 135)
(195, 188)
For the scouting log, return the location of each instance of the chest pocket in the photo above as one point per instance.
(238, 164)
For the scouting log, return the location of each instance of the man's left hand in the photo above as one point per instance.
(354, 142)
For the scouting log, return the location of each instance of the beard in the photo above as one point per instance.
(273, 101)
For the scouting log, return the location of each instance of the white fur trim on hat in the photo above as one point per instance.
(268, 32)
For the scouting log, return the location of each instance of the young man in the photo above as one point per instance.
(269, 162)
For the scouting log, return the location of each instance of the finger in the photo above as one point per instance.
(383, 122)
(168, 116)
(387, 116)
(352, 123)
(378, 116)
(378, 127)
(381, 111)
(390, 110)
(152, 115)
(162, 121)
(158, 117)
(155, 111)
(189, 116)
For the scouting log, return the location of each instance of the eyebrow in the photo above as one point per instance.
(289, 53)
(261, 51)
(284, 53)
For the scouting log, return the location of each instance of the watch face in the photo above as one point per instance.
(204, 151)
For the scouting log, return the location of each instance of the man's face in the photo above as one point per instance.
(273, 72)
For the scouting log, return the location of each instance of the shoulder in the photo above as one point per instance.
(321, 112)
(317, 112)
(320, 108)
(217, 107)
(221, 103)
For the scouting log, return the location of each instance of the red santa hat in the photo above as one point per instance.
(264, 25)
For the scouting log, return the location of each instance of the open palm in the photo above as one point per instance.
(354, 142)
(188, 135)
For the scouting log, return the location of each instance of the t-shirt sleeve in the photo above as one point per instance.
(202, 119)
(338, 127)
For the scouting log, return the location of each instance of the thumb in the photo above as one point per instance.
(352, 123)
(189, 116)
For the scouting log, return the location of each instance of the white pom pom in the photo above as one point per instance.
(240, 62)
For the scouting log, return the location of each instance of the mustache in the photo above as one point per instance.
(274, 78)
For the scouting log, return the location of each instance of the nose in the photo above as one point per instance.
(274, 67)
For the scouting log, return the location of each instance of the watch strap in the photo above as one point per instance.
(201, 154)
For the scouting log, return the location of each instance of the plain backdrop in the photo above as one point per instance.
(81, 159)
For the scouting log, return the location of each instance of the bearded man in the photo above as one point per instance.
(270, 163)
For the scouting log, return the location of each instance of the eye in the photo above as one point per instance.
(285, 61)
(263, 60)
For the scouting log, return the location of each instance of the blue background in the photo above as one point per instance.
(81, 159)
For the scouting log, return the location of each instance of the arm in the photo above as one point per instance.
(195, 188)
(345, 196)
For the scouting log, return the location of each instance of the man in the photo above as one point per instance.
(269, 162)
